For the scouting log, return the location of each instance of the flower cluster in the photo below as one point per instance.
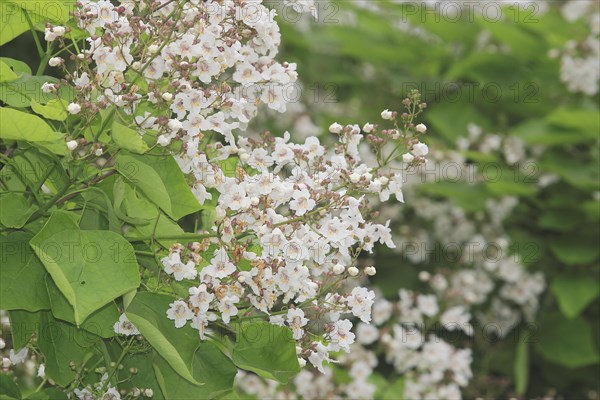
(283, 223)
(290, 221)
(579, 60)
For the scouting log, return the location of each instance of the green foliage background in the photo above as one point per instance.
(534, 105)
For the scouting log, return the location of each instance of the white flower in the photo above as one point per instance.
(354, 177)
(366, 333)
(180, 271)
(111, 394)
(318, 356)
(124, 327)
(407, 157)
(180, 313)
(220, 267)
(2, 343)
(370, 271)
(420, 149)
(296, 320)
(175, 125)
(18, 357)
(421, 128)
(167, 96)
(302, 202)
(427, 304)
(148, 392)
(353, 271)
(360, 301)
(368, 128)
(341, 336)
(41, 373)
(73, 108)
(48, 87)
(335, 128)
(72, 145)
(386, 114)
(456, 318)
(201, 298)
(83, 394)
(55, 61)
(201, 321)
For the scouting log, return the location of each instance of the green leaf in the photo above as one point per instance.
(6, 74)
(91, 268)
(20, 92)
(575, 250)
(15, 210)
(468, 197)
(23, 325)
(561, 219)
(100, 322)
(22, 275)
(574, 293)
(161, 180)
(17, 66)
(585, 121)
(62, 343)
(395, 391)
(521, 366)
(13, 22)
(48, 9)
(566, 342)
(54, 109)
(19, 125)
(148, 312)
(8, 388)
(267, 350)
(145, 376)
(210, 365)
(128, 139)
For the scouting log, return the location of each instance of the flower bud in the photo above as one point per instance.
(55, 61)
(407, 157)
(353, 271)
(72, 145)
(368, 128)
(167, 96)
(74, 108)
(370, 271)
(386, 114)
(335, 128)
(424, 276)
(338, 269)
(421, 128)
(354, 177)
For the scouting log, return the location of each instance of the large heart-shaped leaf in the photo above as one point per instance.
(91, 268)
(148, 312)
(62, 343)
(22, 275)
(161, 180)
(267, 350)
(574, 293)
(19, 125)
(210, 365)
(100, 322)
